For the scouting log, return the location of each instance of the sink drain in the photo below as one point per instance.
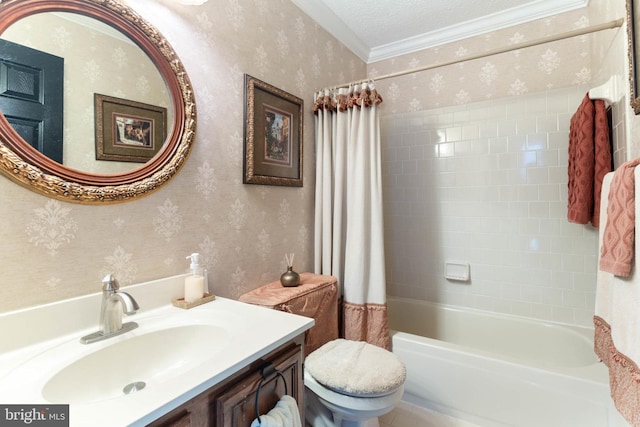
(133, 387)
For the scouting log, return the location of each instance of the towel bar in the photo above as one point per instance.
(267, 371)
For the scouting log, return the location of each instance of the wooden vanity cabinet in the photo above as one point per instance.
(231, 403)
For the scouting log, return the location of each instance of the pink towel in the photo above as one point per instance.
(616, 251)
(602, 157)
(589, 161)
(617, 316)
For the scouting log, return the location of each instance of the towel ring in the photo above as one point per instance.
(267, 371)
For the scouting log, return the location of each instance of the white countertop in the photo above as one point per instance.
(38, 342)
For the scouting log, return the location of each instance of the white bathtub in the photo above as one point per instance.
(497, 370)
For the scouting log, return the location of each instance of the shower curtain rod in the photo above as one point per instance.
(574, 33)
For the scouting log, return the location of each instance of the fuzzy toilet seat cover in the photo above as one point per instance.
(356, 368)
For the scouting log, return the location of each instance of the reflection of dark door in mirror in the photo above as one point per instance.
(31, 96)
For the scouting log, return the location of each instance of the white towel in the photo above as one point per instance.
(284, 414)
(617, 322)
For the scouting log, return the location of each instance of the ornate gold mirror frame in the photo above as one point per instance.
(28, 167)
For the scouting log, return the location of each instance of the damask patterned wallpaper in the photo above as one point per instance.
(53, 250)
(518, 72)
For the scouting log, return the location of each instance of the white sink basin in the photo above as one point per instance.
(166, 345)
(137, 361)
(176, 353)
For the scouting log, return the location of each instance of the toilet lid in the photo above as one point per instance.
(356, 368)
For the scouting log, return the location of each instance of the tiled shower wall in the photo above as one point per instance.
(486, 184)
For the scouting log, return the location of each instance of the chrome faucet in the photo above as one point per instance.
(114, 304)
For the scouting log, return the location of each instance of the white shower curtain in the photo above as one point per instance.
(349, 230)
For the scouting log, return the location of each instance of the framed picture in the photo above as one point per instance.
(272, 135)
(633, 8)
(128, 131)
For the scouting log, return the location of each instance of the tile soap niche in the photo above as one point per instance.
(456, 271)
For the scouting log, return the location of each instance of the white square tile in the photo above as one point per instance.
(547, 123)
(517, 142)
(537, 105)
(549, 192)
(470, 132)
(537, 141)
(548, 157)
(527, 158)
(537, 175)
(497, 201)
(453, 134)
(526, 125)
(446, 149)
(572, 263)
(507, 128)
(558, 140)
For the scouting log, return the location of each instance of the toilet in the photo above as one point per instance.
(351, 384)
(347, 383)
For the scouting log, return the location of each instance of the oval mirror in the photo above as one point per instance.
(116, 120)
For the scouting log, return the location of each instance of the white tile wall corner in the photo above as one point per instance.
(486, 183)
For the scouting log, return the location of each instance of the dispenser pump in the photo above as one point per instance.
(196, 283)
(195, 261)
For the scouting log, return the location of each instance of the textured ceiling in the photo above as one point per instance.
(378, 29)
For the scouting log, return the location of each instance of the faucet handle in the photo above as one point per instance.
(109, 283)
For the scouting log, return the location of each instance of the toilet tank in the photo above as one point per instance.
(315, 297)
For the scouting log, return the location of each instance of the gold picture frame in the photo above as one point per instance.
(272, 135)
(128, 131)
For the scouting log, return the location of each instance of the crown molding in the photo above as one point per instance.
(335, 26)
(476, 27)
(328, 20)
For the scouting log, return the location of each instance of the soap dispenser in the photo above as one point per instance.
(195, 284)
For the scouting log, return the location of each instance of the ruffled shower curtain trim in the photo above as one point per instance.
(357, 96)
(624, 375)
